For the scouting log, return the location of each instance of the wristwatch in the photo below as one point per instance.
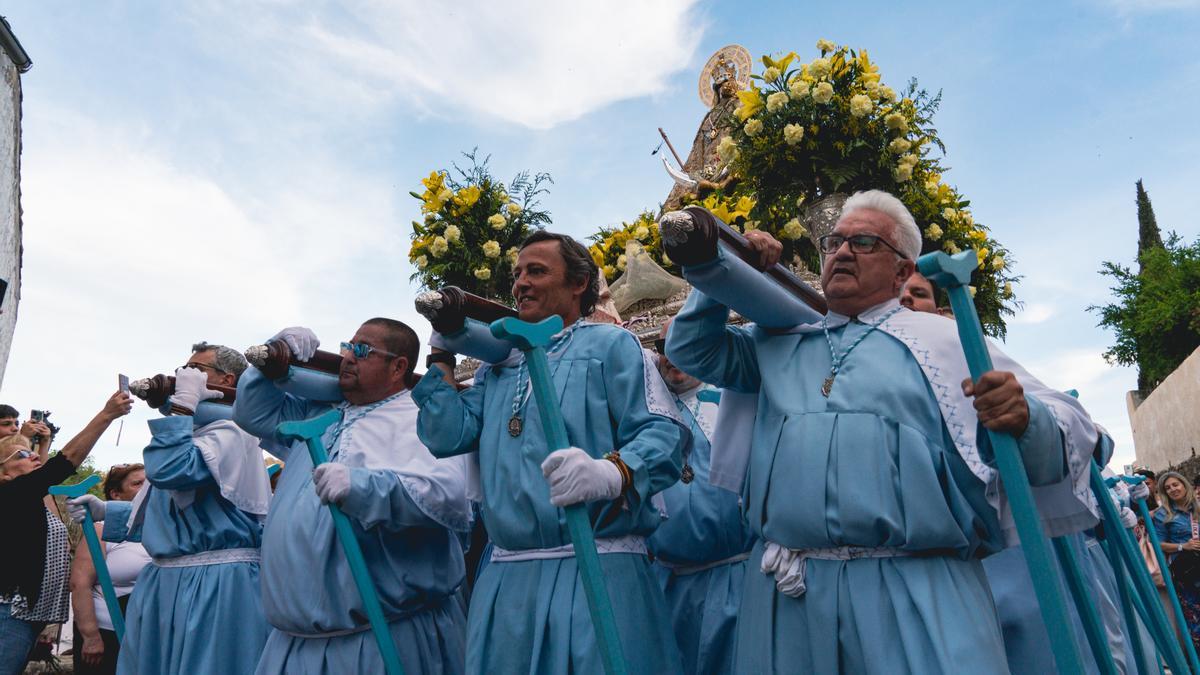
(440, 357)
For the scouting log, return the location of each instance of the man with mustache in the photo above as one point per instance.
(528, 609)
(869, 479)
(406, 507)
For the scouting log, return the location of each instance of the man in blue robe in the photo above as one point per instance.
(408, 510)
(869, 479)
(197, 608)
(700, 551)
(528, 611)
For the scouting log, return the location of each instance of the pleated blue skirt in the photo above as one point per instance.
(704, 608)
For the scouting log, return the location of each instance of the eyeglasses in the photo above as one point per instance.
(859, 243)
(660, 346)
(201, 366)
(21, 454)
(362, 350)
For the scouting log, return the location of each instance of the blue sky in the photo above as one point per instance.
(218, 170)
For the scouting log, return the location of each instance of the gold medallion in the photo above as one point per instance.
(515, 426)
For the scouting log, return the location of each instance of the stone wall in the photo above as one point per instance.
(1166, 425)
(10, 204)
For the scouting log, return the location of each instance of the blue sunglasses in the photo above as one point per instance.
(362, 350)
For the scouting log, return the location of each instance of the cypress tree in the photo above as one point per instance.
(1148, 233)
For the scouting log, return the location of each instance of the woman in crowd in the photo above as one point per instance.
(33, 569)
(1177, 522)
(96, 643)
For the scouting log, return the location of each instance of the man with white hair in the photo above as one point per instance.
(868, 478)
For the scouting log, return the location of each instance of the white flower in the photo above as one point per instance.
(950, 247)
(751, 225)
(496, 221)
(421, 262)
(641, 232)
(621, 261)
(895, 121)
(632, 248)
(512, 254)
(793, 133)
(793, 229)
(445, 195)
(491, 249)
(753, 127)
(822, 93)
(514, 209)
(861, 105)
(949, 214)
(934, 232)
(910, 159)
(904, 172)
(998, 262)
(819, 68)
(887, 94)
(900, 145)
(438, 247)
(799, 88)
(452, 234)
(771, 74)
(826, 46)
(726, 149)
(504, 197)
(483, 274)
(1008, 289)
(776, 101)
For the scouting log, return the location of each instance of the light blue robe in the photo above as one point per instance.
(308, 591)
(199, 619)
(704, 526)
(532, 616)
(872, 465)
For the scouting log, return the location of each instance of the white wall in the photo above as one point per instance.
(10, 204)
(1166, 426)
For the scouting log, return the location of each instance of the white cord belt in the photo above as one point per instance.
(788, 565)
(630, 543)
(219, 557)
(681, 570)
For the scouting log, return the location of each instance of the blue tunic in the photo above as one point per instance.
(704, 527)
(195, 619)
(318, 621)
(531, 616)
(872, 465)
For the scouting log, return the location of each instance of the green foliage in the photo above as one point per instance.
(612, 246)
(1156, 318)
(472, 227)
(1148, 233)
(85, 471)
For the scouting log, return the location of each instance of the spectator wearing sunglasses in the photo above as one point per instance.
(33, 569)
(200, 517)
(407, 509)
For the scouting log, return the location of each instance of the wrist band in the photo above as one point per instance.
(622, 468)
(177, 409)
(440, 357)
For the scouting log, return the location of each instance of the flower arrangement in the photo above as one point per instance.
(613, 246)
(472, 227)
(803, 131)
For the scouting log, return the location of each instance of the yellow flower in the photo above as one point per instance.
(949, 214)
(971, 290)
(793, 134)
(934, 232)
(751, 102)
(504, 197)
(726, 149)
(931, 185)
(491, 249)
(641, 232)
(453, 234)
(771, 74)
(822, 93)
(776, 101)
(900, 145)
(514, 209)
(421, 262)
(950, 247)
(861, 105)
(621, 262)
(819, 68)
(799, 88)
(750, 225)
(483, 274)
(466, 197)
(981, 255)
(793, 229)
(438, 247)
(998, 261)
(978, 236)
(1008, 289)
(512, 254)
(753, 127)
(826, 46)
(895, 122)
(666, 262)
(609, 271)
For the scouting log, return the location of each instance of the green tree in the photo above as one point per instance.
(1148, 234)
(1157, 314)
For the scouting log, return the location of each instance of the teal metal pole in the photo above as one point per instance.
(953, 274)
(310, 431)
(531, 338)
(1134, 608)
(1166, 575)
(1093, 626)
(93, 544)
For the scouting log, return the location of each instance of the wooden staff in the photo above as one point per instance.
(458, 305)
(156, 390)
(274, 358)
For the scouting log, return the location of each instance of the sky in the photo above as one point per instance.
(218, 170)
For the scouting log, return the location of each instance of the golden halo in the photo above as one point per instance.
(731, 61)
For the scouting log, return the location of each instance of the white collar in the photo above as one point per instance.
(870, 316)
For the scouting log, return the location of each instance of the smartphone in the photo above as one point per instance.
(123, 383)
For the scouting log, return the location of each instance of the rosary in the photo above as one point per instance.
(515, 424)
(838, 360)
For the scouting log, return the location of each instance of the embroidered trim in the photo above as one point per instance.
(219, 557)
(630, 543)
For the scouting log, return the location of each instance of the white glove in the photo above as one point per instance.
(787, 566)
(300, 340)
(80, 505)
(1128, 520)
(1139, 491)
(191, 387)
(575, 477)
(332, 481)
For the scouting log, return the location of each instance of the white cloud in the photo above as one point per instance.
(531, 63)
(1034, 312)
(1132, 6)
(1076, 368)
